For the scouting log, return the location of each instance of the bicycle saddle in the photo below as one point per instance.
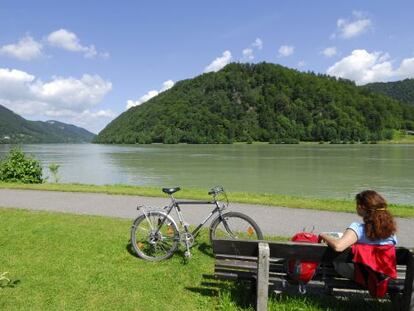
(170, 190)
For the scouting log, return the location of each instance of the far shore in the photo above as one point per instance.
(399, 139)
(326, 204)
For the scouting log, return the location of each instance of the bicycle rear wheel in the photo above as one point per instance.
(154, 238)
(235, 225)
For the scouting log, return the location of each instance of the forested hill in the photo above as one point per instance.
(15, 129)
(259, 102)
(399, 90)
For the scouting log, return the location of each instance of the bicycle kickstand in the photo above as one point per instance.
(187, 253)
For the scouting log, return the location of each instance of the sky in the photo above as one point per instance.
(86, 62)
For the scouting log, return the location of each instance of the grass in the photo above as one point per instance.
(335, 205)
(400, 138)
(72, 262)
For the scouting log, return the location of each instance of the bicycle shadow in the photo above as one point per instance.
(130, 249)
(205, 248)
(11, 284)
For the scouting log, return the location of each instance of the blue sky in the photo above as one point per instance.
(83, 62)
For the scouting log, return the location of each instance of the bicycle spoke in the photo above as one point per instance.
(143, 229)
(152, 238)
(162, 246)
(235, 225)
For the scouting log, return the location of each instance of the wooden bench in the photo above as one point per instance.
(263, 263)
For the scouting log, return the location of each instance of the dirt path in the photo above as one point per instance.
(271, 219)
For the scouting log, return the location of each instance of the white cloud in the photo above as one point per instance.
(248, 54)
(167, 85)
(330, 51)
(258, 43)
(406, 69)
(14, 84)
(61, 97)
(150, 94)
(71, 93)
(352, 28)
(26, 49)
(132, 103)
(219, 62)
(94, 120)
(286, 50)
(69, 41)
(364, 67)
(301, 64)
(14, 76)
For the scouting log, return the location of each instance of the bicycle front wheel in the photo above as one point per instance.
(154, 238)
(234, 225)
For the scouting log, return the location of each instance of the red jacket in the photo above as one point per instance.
(374, 266)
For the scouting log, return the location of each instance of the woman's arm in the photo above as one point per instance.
(338, 245)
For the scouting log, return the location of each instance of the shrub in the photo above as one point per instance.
(54, 169)
(18, 167)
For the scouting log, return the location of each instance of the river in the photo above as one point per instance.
(325, 171)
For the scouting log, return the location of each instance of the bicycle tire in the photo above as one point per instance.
(240, 226)
(150, 245)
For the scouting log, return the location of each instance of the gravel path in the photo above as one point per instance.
(271, 219)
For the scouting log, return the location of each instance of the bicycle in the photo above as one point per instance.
(155, 235)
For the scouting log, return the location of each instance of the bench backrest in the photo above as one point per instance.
(291, 250)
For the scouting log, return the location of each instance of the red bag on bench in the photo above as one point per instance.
(301, 272)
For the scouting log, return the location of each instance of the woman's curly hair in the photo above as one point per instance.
(379, 223)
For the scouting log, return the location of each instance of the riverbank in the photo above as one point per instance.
(399, 210)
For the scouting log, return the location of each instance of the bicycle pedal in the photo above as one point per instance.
(187, 254)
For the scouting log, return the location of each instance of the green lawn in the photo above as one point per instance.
(72, 262)
(201, 194)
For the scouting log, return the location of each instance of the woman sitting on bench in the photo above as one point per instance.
(373, 244)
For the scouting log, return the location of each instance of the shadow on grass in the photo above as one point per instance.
(206, 249)
(241, 295)
(324, 302)
(131, 250)
(209, 292)
(178, 252)
(11, 284)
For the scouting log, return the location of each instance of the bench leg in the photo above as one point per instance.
(408, 295)
(262, 277)
(396, 301)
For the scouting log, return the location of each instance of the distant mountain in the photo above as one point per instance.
(259, 102)
(399, 90)
(15, 129)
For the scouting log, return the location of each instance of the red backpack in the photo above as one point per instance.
(301, 272)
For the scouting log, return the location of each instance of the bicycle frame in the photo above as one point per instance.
(176, 206)
(167, 231)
